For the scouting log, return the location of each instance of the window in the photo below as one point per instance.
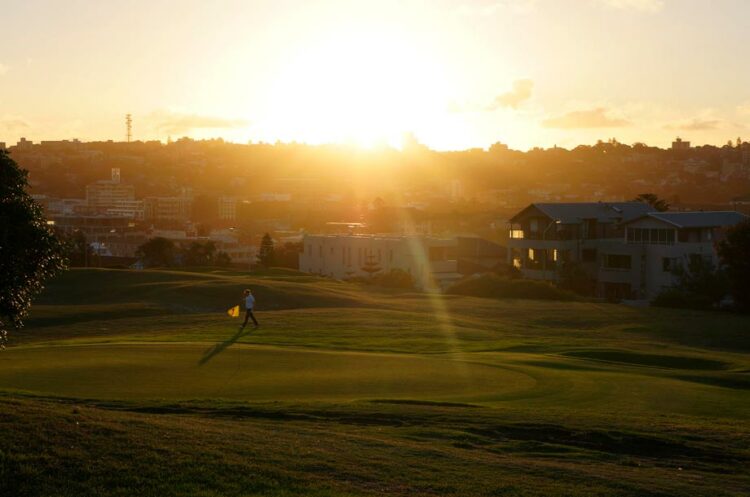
(320, 250)
(650, 236)
(588, 255)
(617, 261)
(533, 225)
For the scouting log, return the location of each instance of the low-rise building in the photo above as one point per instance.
(430, 261)
(167, 209)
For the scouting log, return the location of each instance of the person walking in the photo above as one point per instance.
(249, 305)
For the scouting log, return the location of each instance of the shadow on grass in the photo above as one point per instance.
(219, 347)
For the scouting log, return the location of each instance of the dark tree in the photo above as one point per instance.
(287, 255)
(200, 254)
(266, 253)
(29, 251)
(157, 252)
(653, 200)
(222, 259)
(371, 266)
(77, 249)
(734, 251)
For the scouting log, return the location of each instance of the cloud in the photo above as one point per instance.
(594, 118)
(13, 124)
(521, 91)
(651, 6)
(744, 109)
(696, 124)
(176, 123)
(3, 69)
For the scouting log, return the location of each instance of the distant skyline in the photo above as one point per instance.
(456, 74)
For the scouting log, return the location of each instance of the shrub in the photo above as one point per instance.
(396, 278)
(700, 285)
(497, 287)
(681, 299)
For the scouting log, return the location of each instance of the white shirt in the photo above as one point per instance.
(249, 302)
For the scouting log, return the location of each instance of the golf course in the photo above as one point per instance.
(131, 382)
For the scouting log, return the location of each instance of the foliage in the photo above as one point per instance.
(680, 299)
(200, 254)
(266, 254)
(395, 278)
(29, 251)
(653, 200)
(222, 259)
(700, 285)
(574, 278)
(157, 252)
(734, 252)
(77, 249)
(493, 286)
(371, 266)
(287, 255)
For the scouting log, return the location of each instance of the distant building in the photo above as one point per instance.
(626, 249)
(107, 194)
(227, 208)
(2, 146)
(131, 209)
(430, 261)
(167, 209)
(275, 197)
(24, 144)
(679, 144)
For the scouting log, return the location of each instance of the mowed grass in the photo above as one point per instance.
(137, 383)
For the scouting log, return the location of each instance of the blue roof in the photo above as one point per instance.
(605, 212)
(699, 219)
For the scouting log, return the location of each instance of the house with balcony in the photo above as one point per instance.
(543, 236)
(656, 243)
(430, 261)
(628, 250)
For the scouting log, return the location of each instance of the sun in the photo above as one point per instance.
(367, 88)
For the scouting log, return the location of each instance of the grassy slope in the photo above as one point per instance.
(568, 398)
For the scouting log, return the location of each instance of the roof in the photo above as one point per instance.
(573, 213)
(697, 219)
(479, 247)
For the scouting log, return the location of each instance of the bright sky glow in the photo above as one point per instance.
(457, 74)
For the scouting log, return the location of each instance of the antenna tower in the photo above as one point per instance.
(129, 126)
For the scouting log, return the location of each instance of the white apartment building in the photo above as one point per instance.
(627, 249)
(430, 261)
(227, 208)
(107, 194)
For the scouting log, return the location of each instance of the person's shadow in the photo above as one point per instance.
(219, 347)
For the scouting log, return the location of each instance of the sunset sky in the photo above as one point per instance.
(457, 74)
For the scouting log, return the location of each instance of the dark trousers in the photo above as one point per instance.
(249, 315)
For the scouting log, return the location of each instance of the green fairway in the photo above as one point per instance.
(345, 390)
(169, 371)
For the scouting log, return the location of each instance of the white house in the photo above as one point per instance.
(628, 250)
(430, 261)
